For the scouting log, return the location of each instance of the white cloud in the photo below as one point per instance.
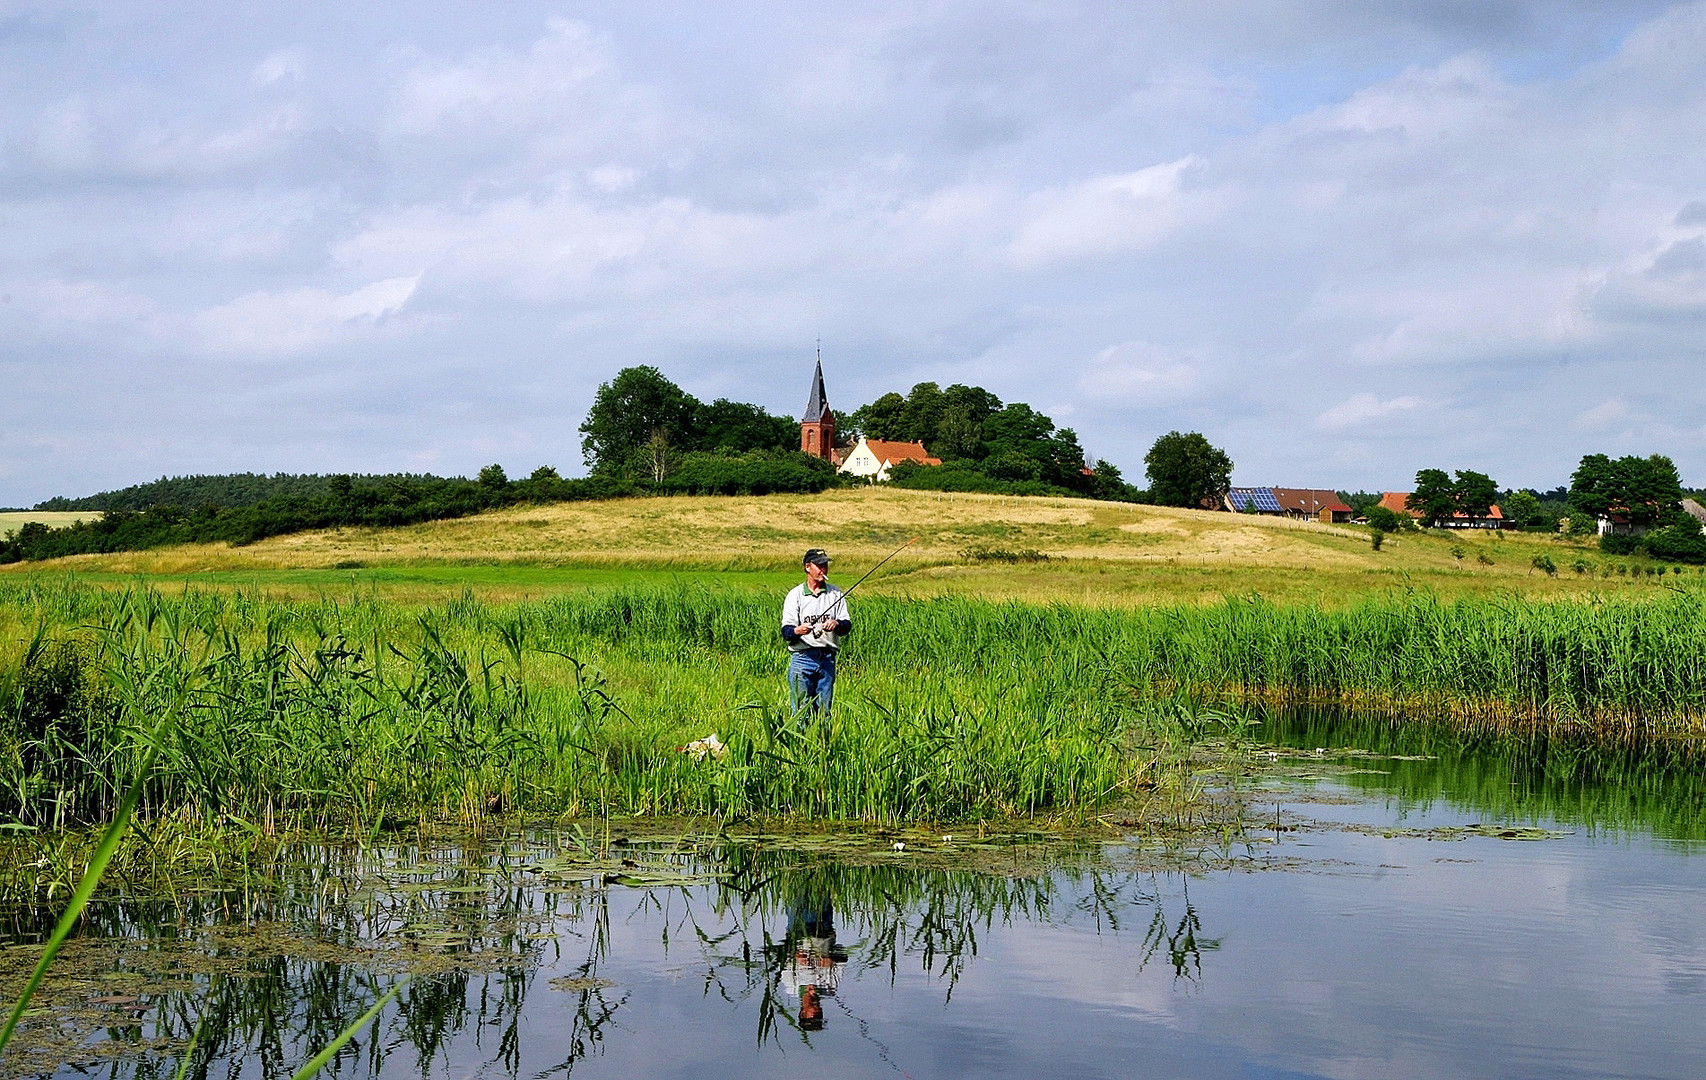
(284, 323)
(1359, 409)
(1256, 210)
(1106, 215)
(499, 87)
(286, 64)
(1139, 374)
(1603, 416)
(65, 139)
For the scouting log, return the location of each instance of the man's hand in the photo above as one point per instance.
(803, 629)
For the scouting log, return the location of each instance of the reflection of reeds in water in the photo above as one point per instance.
(1615, 780)
(268, 969)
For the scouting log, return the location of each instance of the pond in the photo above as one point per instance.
(1411, 901)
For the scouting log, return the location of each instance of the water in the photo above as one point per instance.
(1373, 933)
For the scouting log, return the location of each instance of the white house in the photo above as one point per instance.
(872, 458)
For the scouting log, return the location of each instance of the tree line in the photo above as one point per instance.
(1645, 492)
(643, 435)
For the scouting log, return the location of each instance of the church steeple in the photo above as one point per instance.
(817, 425)
(818, 403)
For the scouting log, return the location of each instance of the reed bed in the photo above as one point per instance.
(359, 711)
(366, 713)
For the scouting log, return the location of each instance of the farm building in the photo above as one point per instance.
(1254, 500)
(872, 458)
(1313, 503)
(1493, 519)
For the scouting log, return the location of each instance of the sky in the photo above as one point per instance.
(1344, 239)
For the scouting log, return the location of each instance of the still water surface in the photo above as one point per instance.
(1371, 934)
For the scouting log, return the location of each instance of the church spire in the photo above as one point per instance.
(817, 426)
(819, 401)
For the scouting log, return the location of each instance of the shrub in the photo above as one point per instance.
(750, 474)
(1619, 544)
(1384, 519)
(1377, 537)
(1679, 541)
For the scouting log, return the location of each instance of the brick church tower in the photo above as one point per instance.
(817, 425)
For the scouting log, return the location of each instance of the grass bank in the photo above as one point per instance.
(1038, 550)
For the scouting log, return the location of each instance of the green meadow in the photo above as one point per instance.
(1023, 658)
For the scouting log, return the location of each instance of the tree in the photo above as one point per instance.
(658, 456)
(959, 433)
(1185, 470)
(1652, 491)
(1645, 490)
(1360, 501)
(1107, 483)
(1384, 520)
(923, 413)
(1435, 497)
(625, 413)
(1521, 508)
(881, 419)
(733, 427)
(1594, 486)
(1473, 493)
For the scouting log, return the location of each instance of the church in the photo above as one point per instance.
(869, 458)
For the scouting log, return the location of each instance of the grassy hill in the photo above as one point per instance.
(1038, 549)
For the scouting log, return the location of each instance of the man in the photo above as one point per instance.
(814, 620)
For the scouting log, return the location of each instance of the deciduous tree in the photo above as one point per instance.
(626, 411)
(1435, 497)
(1186, 470)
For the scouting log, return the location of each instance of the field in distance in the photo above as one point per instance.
(13, 520)
(1036, 549)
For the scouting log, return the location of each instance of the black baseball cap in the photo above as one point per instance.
(816, 555)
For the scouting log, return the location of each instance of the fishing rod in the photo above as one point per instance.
(840, 600)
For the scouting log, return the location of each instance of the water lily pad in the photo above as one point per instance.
(576, 985)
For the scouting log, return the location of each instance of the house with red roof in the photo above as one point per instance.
(1493, 519)
(1315, 504)
(872, 458)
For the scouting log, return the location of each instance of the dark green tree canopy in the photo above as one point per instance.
(1646, 490)
(624, 414)
(959, 433)
(1522, 508)
(640, 422)
(1474, 493)
(881, 419)
(733, 427)
(923, 413)
(1438, 496)
(1185, 470)
(1434, 499)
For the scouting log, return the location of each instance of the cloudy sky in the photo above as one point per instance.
(1344, 239)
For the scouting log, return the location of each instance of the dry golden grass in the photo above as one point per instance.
(13, 520)
(1099, 553)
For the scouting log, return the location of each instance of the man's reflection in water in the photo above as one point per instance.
(811, 968)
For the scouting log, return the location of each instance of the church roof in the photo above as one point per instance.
(819, 403)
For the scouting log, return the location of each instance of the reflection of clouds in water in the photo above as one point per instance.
(1399, 964)
(1383, 956)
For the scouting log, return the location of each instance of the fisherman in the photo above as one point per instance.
(814, 620)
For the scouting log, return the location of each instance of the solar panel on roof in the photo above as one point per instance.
(1261, 498)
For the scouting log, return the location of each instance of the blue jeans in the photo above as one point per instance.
(811, 680)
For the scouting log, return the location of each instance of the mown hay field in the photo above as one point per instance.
(1000, 548)
(13, 520)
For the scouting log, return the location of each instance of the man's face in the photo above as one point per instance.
(815, 573)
